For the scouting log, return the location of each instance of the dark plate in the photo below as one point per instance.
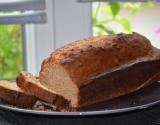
(141, 99)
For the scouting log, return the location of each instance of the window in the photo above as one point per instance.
(115, 17)
(15, 16)
(73, 19)
(45, 25)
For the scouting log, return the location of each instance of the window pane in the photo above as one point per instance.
(10, 51)
(115, 17)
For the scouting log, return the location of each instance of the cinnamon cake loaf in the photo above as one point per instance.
(100, 68)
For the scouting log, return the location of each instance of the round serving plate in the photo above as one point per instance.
(144, 98)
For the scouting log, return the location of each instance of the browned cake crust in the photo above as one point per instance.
(97, 54)
(27, 82)
(100, 68)
(12, 94)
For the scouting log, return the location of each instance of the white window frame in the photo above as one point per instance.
(67, 20)
(29, 12)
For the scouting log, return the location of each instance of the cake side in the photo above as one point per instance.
(120, 82)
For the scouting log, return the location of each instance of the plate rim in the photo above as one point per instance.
(81, 113)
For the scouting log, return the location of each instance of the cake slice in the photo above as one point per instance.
(27, 82)
(10, 93)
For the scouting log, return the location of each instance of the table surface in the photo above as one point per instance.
(150, 116)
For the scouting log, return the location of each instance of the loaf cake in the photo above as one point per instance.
(100, 68)
(27, 82)
(12, 94)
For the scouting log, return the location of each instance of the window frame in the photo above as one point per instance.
(43, 39)
(29, 12)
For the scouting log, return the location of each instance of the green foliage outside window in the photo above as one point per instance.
(10, 51)
(106, 16)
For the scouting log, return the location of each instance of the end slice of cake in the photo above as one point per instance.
(12, 94)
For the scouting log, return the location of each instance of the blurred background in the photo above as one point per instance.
(26, 39)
